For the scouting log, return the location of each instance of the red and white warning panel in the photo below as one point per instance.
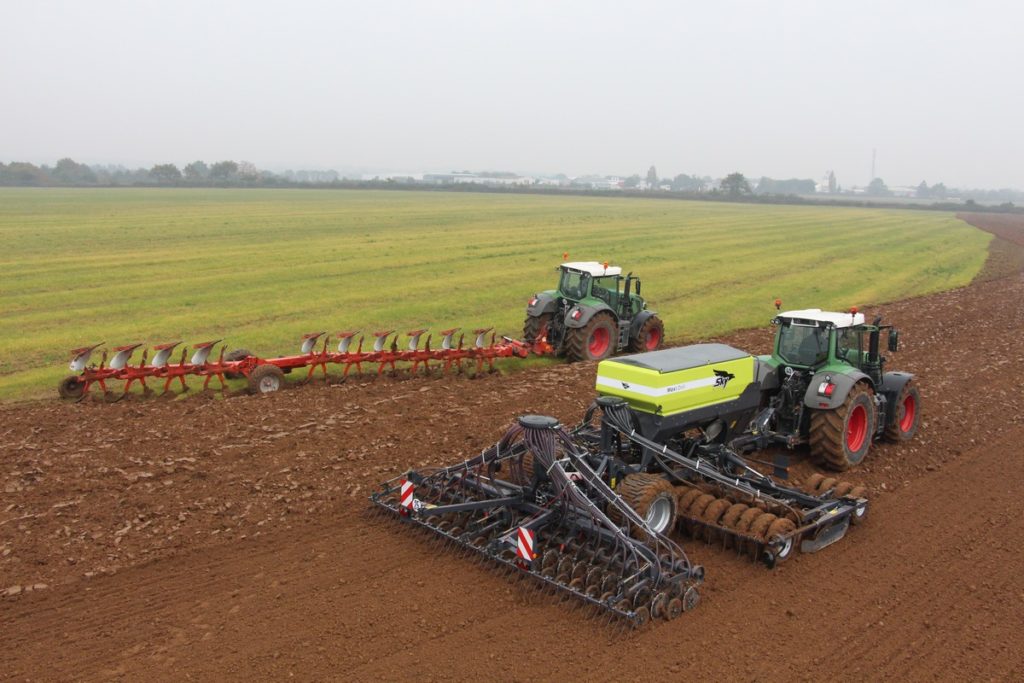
(524, 548)
(406, 500)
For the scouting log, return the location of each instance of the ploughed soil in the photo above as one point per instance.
(210, 539)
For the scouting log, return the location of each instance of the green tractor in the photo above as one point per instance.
(594, 313)
(823, 385)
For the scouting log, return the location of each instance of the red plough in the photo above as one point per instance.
(266, 375)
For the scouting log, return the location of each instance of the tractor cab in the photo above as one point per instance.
(812, 338)
(600, 283)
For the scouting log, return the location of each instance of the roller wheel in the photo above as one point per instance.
(535, 328)
(732, 515)
(71, 388)
(746, 519)
(643, 615)
(712, 515)
(859, 515)
(658, 605)
(842, 437)
(759, 528)
(842, 488)
(673, 609)
(811, 485)
(649, 337)
(908, 414)
(265, 379)
(237, 354)
(653, 498)
(781, 527)
(700, 505)
(594, 341)
(686, 498)
(827, 484)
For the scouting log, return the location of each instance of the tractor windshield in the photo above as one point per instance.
(574, 284)
(802, 344)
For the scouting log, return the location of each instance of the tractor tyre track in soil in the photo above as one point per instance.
(231, 538)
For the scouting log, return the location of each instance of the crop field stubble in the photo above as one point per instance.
(262, 267)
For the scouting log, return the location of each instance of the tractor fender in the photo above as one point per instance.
(893, 382)
(543, 302)
(638, 322)
(588, 312)
(844, 381)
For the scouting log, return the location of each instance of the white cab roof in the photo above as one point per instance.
(593, 267)
(816, 314)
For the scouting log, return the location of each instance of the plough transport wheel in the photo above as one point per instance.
(71, 388)
(266, 379)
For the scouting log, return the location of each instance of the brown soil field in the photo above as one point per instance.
(230, 539)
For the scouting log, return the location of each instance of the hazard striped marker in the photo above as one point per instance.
(405, 502)
(524, 548)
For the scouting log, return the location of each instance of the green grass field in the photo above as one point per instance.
(261, 267)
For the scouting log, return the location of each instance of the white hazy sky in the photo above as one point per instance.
(774, 88)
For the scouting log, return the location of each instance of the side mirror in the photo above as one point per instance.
(637, 286)
(894, 339)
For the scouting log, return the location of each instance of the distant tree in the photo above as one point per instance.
(687, 183)
(196, 171)
(631, 182)
(165, 173)
(248, 171)
(23, 173)
(878, 188)
(223, 170)
(71, 172)
(923, 191)
(939, 191)
(735, 184)
(652, 177)
(832, 184)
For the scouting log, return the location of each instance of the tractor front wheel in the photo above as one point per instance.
(908, 414)
(649, 337)
(594, 341)
(842, 437)
(265, 379)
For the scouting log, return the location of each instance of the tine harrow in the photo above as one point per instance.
(536, 506)
(315, 353)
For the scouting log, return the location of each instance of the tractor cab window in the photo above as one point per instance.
(606, 289)
(803, 344)
(849, 345)
(574, 284)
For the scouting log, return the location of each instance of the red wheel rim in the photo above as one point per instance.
(909, 413)
(653, 339)
(599, 339)
(856, 428)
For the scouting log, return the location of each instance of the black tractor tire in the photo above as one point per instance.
(535, 328)
(594, 341)
(265, 379)
(71, 388)
(650, 336)
(652, 497)
(908, 414)
(842, 437)
(237, 354)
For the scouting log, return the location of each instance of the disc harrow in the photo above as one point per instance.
(266, 375)
(719, 498)
(537, 506)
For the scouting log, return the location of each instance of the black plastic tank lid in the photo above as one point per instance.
(538, 421)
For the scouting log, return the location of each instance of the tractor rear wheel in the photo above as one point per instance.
(265, 379)
(535, 328)
(594, 341)
(231, 356)
(649, 337)
(908, 414)
(842, 437)
(653, 498)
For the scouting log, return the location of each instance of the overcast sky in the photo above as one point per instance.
(784, 89)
